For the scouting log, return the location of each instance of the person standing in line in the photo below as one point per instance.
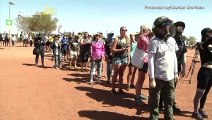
(121, 51)
(163, 69)
(85, 45)
(7, 40)
(181, 55)
(13, 40)
(142, 43)
(39, 45)
(109, 56)
(1, 39)
(204, 76)
(56, 46)
(177, 31)
(132, 69)
(74, 52)
(97, 55)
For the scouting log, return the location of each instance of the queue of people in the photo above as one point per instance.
(156, 45)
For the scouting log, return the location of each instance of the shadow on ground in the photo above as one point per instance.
(107, 98)
(183, 113)
(40, 66)
(105, 115)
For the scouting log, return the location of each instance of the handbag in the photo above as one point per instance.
(35, 51)
(137, 59)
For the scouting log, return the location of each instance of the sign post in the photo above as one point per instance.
(9, 24)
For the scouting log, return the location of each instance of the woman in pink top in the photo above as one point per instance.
(142, 43)
(97, 53)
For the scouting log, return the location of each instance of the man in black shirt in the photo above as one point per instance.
(181, 53)
(39, 45)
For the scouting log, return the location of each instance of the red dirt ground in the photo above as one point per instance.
(35, 93)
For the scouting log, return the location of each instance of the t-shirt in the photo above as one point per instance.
(165, 56)
(206, 52)
(182, 49)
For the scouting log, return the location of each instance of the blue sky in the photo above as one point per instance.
(108, 15)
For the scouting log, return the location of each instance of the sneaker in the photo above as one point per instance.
(143, 97)
(139, 101)
(197, 116)
(203, 113)
(113, 91)
(121, 91)
(176, 109)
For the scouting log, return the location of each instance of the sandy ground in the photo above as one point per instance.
(35, 93)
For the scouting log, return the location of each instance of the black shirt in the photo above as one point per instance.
(181, 48)
(205, 55)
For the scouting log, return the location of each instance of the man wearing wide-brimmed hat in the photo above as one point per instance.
(181, 53)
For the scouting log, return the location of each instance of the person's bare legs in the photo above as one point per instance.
(140, 82)
(115, 75)
(121, 73)
(129, 77)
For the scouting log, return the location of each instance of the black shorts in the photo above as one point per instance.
(144, 68)
(204, 78)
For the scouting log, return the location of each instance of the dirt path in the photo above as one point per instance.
(30, 93)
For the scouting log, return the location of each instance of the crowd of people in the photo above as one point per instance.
(8, 40)
(163, 58)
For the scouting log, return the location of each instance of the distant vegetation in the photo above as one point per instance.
(39, 22)
(190, 41)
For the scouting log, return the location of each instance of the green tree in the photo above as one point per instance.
(39, 22)
(190, 41)
(43, 23)
(22, 23)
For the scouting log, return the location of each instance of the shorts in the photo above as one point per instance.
(83, 57)
(73, 55)
(144, 68)
(204, 78)
(120, 60)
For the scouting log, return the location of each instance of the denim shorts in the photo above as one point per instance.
(120, 60)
